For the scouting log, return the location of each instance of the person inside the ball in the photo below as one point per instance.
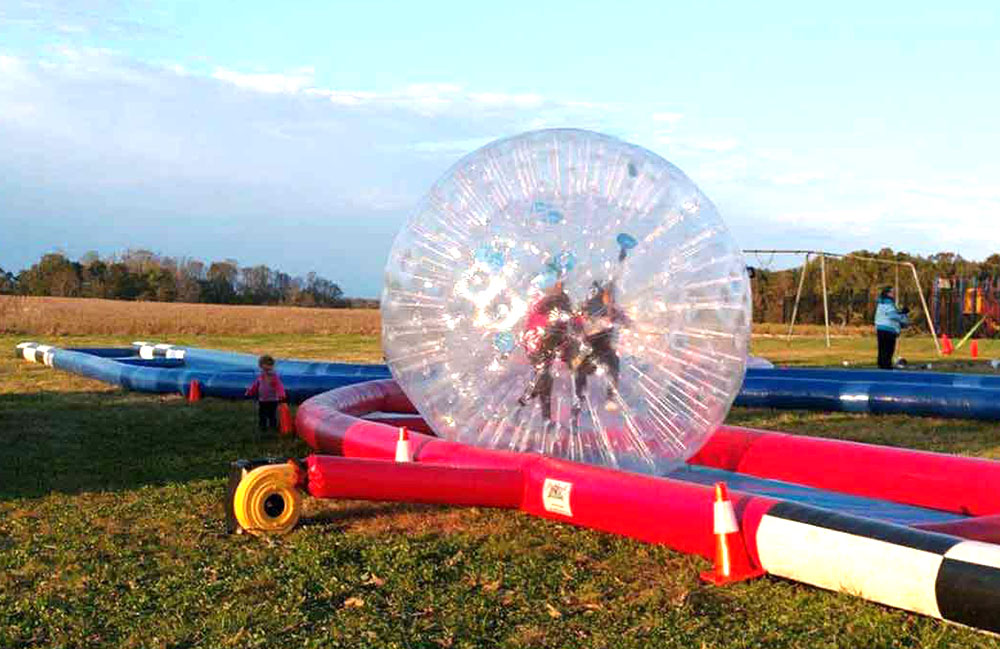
(547, 338)
(600, 317)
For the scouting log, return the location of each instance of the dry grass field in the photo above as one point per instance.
(85, 316)
(354, 334)
(54, 316)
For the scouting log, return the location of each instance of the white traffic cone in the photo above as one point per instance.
(732, 562)
(403, 446)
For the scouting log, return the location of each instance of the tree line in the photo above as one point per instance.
(144, 275)
(853, 285)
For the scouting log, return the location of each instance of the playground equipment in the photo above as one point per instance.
(822, 256)
(966, 306)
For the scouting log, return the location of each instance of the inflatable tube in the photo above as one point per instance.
(167, 368)
(248, 362)
(935, 394)
(877, 397)
(887, 555)
(170, 370)
(879, 376)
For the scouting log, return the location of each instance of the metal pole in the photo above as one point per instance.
(899, 296)
(927, 312)
(826, 309)
(798, 296)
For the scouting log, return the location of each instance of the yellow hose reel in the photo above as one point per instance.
(267, 500)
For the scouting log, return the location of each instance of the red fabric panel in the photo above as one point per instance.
(952, 483)
(383, 480)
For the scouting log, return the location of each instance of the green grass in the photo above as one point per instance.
(862, 351)
(112, 534)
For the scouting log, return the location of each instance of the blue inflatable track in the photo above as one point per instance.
(167, 369)
(164, 368)
(935, 394)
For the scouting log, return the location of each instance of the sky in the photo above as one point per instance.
(302, 135)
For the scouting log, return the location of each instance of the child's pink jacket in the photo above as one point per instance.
(267, 387)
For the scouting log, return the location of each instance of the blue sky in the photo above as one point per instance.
(301, 136)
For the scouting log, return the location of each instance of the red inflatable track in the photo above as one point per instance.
(599, 498)
(960, 496)
(331, 423)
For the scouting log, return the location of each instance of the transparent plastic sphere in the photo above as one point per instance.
(567, 293)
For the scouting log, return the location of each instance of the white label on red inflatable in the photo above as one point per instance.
(555, 496)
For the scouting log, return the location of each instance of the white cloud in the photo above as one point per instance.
(711, 144)
(104, 153)
(101, 152)
(456, 147)
(668, 118)
(268, 82)
(71, 29)
(344, 97)
(797, 177)
(427, 99)
(722, 169)
(79, 18)
(501, 100)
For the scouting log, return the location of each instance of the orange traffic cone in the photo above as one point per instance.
(732, 563)
(286, 425)
(403, 446)
(946, 346)
(974, 349)
(194, 391)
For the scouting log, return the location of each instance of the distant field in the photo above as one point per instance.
(354, 333)
(84, 316)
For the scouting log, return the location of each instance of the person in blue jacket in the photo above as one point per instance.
(889, 321)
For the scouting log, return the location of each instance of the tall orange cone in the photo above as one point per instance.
(403, 453)
(974, 349)
(946, 346)
(732, 563)
(286, 425)
(194, 391)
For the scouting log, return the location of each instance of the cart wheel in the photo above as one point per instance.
(267, 501)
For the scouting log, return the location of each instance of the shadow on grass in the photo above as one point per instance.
(99, 441)
(360, 511)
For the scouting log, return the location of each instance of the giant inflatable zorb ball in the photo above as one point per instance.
(567, 293)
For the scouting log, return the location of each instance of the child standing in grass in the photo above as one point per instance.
(269, 392)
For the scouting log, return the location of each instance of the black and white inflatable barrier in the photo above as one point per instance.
(149, 351)
(35, 352)
(935, 574)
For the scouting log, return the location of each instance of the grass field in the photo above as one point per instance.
(111, 534)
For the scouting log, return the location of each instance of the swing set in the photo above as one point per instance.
(822, 256)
